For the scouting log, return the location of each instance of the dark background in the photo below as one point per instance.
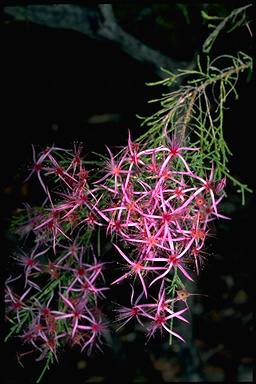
(57, 83)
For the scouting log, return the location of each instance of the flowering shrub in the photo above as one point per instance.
(156, 210)
(155, 199)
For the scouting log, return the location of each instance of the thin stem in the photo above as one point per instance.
(49, 358)
(173, 290)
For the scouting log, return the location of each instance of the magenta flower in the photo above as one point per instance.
(174, 151)
(50, 345)
(173, 260)
(84, 280)
(136, 268)
(146, 237)
(37, 167)
(52, 224)
(208, 186)
(125, 314)
(159, 322)
(38, 163)
(16, 303)
(96, 330)
(30, 263)
(153, 202)
(57, 170)
(76, 313)
(114, 169)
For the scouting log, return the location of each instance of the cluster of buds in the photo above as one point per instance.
(150, 202)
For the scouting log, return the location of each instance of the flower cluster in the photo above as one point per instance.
(49, 311)
(157, 211)
(157, 314)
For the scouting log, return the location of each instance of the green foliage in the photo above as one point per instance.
(237, 17)
(49, 361)
(175, 283)
(194, 113)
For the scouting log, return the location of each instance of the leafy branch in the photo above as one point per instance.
(237, 18)
(194, 113)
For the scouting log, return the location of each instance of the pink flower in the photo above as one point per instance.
(159, 322)
(96, 331)
(114, 170)
(30, 263)
(135, 267)
(16, 303)
(76, 313)
(125, 314)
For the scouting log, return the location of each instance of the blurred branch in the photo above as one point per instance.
(233, 16)
(97, 23)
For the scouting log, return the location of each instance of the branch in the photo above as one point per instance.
(99, 24)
